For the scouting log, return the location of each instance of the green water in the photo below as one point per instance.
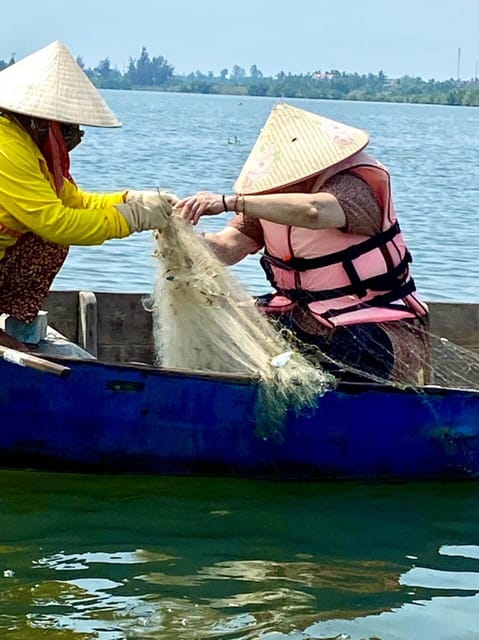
(110, 558)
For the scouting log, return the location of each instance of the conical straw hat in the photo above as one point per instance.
(293, 145)
(50, 84)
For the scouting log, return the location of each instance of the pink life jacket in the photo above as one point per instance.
(343, 278)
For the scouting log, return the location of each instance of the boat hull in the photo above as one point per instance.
(135, 419)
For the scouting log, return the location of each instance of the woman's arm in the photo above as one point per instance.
(230, 245)
(309, 210)
(29, 202)
(74, 197)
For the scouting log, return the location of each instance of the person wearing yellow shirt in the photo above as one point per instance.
(44, 99)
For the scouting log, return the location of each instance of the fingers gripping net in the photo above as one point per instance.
(204, 320)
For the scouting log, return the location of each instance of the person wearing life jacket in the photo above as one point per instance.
(44, 98)
(321, 210)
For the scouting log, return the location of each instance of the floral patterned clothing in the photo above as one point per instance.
(26, 273)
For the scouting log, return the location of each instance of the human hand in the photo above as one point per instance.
(203, 203)
(144, 210)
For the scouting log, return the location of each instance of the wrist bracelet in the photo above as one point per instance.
(239, 201)
(223, 197)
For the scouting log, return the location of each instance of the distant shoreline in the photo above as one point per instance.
(439, 98)
(155, 73)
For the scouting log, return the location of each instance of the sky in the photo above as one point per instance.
(399, 37)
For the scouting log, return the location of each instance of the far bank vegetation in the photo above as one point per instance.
(157, 74)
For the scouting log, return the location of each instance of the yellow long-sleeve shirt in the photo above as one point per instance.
(28, 200)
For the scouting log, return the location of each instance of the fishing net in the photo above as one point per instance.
(204, 320)
(431, 360)
(452, 365)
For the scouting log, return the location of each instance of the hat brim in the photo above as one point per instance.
(295, 145)
(50, 84)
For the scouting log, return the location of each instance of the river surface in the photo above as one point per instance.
(116, 558)
(130, 558)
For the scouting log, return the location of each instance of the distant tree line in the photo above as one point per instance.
(156, 73)
(4, 65)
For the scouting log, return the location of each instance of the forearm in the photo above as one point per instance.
(53, 221)
(67, 226)
(29, 200)
(75, 197)
(311, 211)
(230, 246)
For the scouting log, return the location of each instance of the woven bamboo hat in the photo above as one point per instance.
(50, 84)
(294, 145)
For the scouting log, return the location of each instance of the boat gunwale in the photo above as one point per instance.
(349, 387)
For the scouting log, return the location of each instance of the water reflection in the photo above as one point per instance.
(436, 579)
(293, 598)
(277, 596)
(465, 550)
(104, 558)
(439, 618)
(91, 607)
(353, 576)
(78, 561)
(108, 610)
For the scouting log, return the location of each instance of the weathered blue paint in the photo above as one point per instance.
(111, 418)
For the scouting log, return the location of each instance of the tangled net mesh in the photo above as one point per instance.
(204, 320)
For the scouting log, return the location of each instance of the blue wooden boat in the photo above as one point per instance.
(120, 417)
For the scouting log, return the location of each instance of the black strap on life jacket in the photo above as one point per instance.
(389, 281)
(344, 255)
(382, 300)
(385, 282)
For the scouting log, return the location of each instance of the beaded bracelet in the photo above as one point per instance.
(240, 198)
